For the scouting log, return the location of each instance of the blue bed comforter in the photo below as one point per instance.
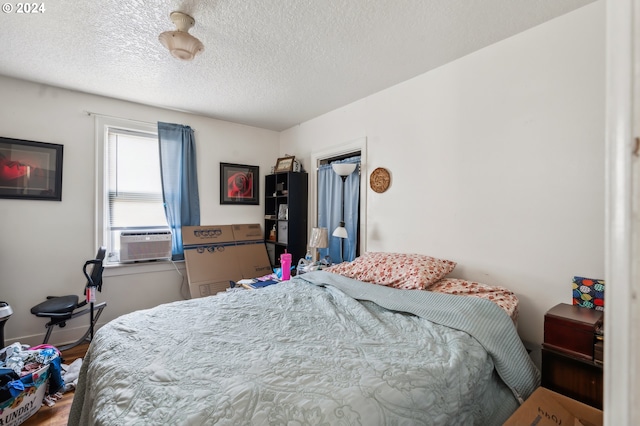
(318, 350)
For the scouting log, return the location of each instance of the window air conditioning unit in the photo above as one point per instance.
(137, 246)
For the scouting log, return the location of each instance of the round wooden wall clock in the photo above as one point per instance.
(379, 180)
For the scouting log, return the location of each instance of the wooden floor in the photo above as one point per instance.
(59, 413)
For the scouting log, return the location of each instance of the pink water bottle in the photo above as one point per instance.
(285, 264)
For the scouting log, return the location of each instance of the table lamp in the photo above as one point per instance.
(319, 239)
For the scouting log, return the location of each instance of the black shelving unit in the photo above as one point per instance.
(285, 212)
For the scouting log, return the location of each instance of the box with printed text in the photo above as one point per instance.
(547, 408)
(217, 256)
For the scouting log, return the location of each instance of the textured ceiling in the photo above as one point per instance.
(266, 63)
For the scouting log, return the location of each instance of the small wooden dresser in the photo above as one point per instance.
(572, 353)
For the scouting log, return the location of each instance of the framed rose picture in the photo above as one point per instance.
(239, 184)
(30, 170)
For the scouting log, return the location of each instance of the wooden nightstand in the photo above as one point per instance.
(569, 353)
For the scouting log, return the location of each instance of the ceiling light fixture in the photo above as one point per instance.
(180, 43)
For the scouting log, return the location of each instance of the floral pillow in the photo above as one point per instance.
(399, 270)
(501, 296)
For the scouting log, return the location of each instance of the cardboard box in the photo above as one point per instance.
(251, 251)
(209, 260)
(217, 256)
(250, 232)
(17, 410)
(545, 407)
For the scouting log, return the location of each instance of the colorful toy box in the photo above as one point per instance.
(588, 293)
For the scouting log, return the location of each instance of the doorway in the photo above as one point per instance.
(357, 235)
(339, 205)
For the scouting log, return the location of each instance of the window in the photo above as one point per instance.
(129, 185)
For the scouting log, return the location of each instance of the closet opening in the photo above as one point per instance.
(339, 202)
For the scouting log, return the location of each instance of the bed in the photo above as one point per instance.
(321, 349)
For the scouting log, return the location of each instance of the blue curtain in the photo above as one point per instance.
(179, 181)
(330, 209)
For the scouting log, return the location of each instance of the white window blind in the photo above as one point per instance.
(134, 186)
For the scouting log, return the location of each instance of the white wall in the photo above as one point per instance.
(45, 243)
(497, 161)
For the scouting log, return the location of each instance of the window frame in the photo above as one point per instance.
(102, 125)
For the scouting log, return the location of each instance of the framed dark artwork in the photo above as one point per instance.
(239, 184)
(30, 170)
(284, 164)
